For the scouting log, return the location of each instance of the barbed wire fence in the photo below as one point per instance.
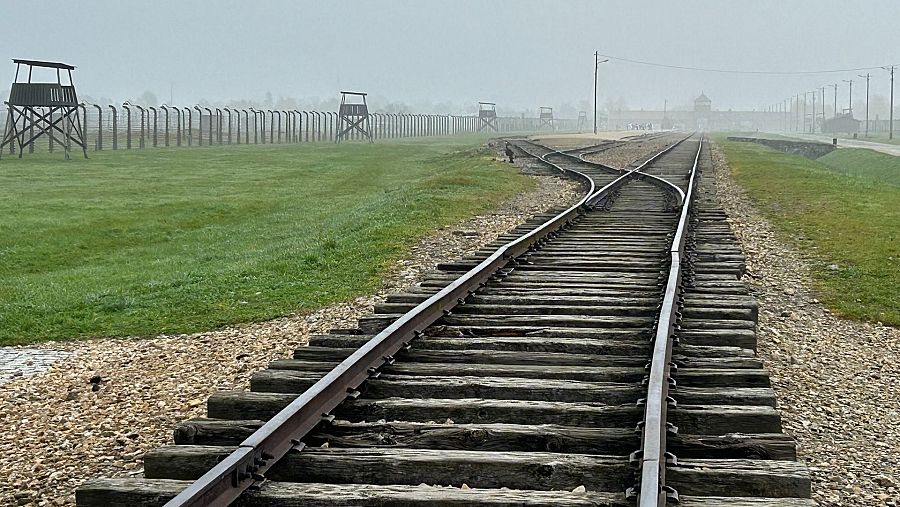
(132, 126)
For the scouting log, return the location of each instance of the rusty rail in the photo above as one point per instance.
(652, 455)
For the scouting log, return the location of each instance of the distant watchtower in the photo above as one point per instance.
(487, 116)
(43, 108)
(702, 104)
(546, 116)
(354, 116)
(582, 119)
(702, 108)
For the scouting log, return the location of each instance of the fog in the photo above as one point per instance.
(430, 56)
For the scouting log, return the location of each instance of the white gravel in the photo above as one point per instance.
(60, 428)
(837, 380)
(24, 361)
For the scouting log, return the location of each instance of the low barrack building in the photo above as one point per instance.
(843, 124)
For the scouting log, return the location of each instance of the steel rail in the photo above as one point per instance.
(655, 179)
(653, 491)
(636, 172)
(597, 148)
(567, 154)
(283, 433)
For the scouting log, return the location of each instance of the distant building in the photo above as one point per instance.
(844, 123)
(702, 117)
(702, 104)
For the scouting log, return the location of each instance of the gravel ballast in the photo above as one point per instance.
(836, 380)
(634, 152)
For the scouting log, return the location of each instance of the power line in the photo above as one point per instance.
(732, 71)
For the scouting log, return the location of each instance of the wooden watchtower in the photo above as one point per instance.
(43, 108)
(582, 120)
(487, 116)
(546, 116)
(354, 116)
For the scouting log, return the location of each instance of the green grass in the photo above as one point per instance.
(182, 240)
(868, 165)
(850, 221)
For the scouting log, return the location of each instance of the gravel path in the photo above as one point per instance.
(837, 380)
(97, 412)
(890, 149)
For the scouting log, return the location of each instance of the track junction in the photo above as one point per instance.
(601, 354)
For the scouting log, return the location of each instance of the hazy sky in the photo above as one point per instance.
(520, 54)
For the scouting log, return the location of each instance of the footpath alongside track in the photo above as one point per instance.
(890, 149)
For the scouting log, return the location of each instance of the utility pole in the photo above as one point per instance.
(850, 108)
(803, 118)
(867, 76)
(794, 105)
(596, 57)
(823, 109)
(835, 98)
(784, 115)
(812, 117)
(597, 63)
(891, 124)
(792, 114)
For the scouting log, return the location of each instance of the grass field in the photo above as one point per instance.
(181, 240)
(867, 165)
(849, 221)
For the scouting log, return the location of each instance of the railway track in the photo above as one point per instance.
(597, 355)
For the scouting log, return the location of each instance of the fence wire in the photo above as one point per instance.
(129, 126)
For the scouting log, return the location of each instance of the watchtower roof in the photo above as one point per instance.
(38, 63)
(487, 108)
(361, 94)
